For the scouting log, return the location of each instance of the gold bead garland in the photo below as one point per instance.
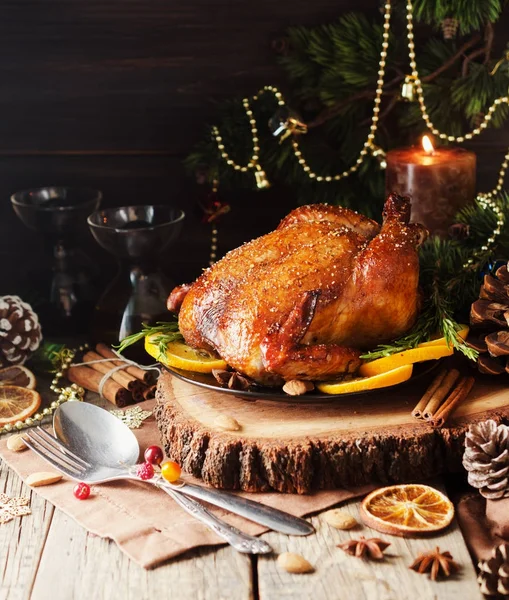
(65, 394)
(420, 92)
(253, 162)
(214, 232)
(368, 144)
(484, 199)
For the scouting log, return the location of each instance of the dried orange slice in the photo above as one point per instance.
(407, 357)
(18, 375)
(17, 403)
(407, 509)
(361, 384)
(461, 334)
(181, 356)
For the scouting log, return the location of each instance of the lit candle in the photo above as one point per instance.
(439, 182)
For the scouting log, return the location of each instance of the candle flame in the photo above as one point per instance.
(427, 145)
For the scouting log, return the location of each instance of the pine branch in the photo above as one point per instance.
(452, 59)
(471, 14)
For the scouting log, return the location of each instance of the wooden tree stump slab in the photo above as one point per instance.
(264, 445)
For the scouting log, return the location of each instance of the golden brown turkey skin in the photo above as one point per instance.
(304, 300)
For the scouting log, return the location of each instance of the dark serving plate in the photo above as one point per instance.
(207, 381)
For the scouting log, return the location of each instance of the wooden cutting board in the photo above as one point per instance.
(258, 446)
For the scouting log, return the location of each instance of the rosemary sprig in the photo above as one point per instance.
(167, 331)
(425, 327)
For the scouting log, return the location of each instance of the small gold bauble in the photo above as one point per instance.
(54, 404)
(46, 411)
(19, 425)
(38, 417)
(29, 422)
(408, 89)
(8, 427)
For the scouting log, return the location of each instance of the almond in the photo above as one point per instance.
(297, 387)
(43, 478)
(339, 519)
(227, 423)
(16, 443)
(294, 563)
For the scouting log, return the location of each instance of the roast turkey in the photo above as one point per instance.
(305, 300)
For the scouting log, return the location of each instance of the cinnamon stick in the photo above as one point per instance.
(135, 386)
(121, 377)
(440, 394)
(149, 392)
(423, 402)
(90, 379)
(148, 377)
(457, 396)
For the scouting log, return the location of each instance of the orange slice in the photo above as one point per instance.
(462, 334)
(407, 357)
(181, 356)
(361, 384)
(18, 375)
(17, 403)
(407, 509)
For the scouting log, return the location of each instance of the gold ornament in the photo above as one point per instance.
(408, 89)
(132, 417)
(261, 179)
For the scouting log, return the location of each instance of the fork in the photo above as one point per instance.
(64, 460)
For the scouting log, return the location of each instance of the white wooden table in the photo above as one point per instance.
(46, 555)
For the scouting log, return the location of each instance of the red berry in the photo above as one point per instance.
(154, 455)
(81, 491)
(145, 471)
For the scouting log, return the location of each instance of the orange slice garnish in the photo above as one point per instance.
(441, 341)
(408, 509)
(18, 375)
(17, 403)
(360, 384)
(407, 357)
(181, 356)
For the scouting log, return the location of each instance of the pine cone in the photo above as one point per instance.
(493, 578)
(486, 458)
(489, 320)
(450, 28)
(20, 331)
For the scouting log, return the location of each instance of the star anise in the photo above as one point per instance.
(231, 379)
(365, 548)
(436, 562)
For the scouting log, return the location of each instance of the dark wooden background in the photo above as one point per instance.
(113, 94)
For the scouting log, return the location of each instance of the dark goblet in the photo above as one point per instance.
(63, 280)
(137, 236)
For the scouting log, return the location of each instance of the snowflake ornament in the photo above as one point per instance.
(13, 507)
(132, 417)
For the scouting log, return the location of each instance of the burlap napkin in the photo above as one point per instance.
(145, 522)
